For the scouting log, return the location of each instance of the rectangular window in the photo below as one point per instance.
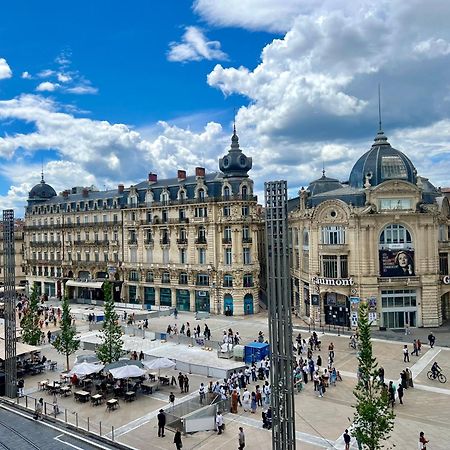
(105, 257)
(228, 257)
(333, 235)
(226, 211)
(247, 255)
(165, 256)
(87, 256)
(395, 203)
(202, 279)
(134, 275)
(97, 257)
(202, 256)
(443, 263)
(343, 266)
(183, 278)
(245, 210)
(183, 259)
(201, 212)
(329, 266)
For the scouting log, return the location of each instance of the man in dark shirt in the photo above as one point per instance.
(346, 437)
(161, 423)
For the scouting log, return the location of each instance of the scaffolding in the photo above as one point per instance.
(280, 320)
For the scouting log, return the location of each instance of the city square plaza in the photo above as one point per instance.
(319, 422)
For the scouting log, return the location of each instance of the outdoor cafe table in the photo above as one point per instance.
(82, 396)
(42, 385)
(130, 396)
(164, 380)
(87, 381)
(112, 404)
(152, 375)
(149, 386)
(53, 387)
(65, 390)
(96, 399)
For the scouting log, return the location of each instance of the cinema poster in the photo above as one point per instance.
(397, 263)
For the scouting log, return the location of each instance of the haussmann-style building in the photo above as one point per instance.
(383, 237)
(189, 242)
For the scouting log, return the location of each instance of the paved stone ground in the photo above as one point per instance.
(319, 421)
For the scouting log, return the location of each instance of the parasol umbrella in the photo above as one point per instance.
(159, 363)
(83, 369)
(129, 371)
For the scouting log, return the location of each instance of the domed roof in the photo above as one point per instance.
(381, 163)
(323, 184)
(42, 191)
(235, 163)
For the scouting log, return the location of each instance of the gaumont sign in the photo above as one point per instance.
(446, 279)
(335, 281)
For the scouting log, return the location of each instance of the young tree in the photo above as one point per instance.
(65, 343)
(31, 332)
(111, 334)
(374, 419)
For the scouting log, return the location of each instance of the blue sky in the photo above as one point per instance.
(102, 93)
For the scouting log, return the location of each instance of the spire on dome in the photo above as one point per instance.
(234, 138)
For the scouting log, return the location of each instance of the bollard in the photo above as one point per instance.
(112, 433)
(88, 423)
(100, 427)
(65, 415)
(76, 420)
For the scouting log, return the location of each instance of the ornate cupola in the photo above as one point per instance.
(235, 163)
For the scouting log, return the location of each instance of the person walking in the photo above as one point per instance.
(400, 393)
(186, 383)
(181, 382)
(219, 422)
(177, 439)
(414, 352)
(405, 353)
(419, 346)
(161, 423)
(431, 339)
(422, 441)
(246, 398)
(21, 386)
(202, 393)
(39, 409)
(346, 437)
(241, 439)
(253, 403)
(172, 400)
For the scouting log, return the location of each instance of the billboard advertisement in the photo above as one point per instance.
(396, 263)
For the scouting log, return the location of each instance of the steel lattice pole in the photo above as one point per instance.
(280, 320)
(10, 303)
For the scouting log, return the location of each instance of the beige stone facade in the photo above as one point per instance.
(189, 242)
(385, 240)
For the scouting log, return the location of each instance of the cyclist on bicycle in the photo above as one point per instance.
(353, 341)
(435, 369)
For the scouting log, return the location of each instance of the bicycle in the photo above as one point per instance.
(440, 376)
(353, 345)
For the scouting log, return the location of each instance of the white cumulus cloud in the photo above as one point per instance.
(195, 47)
(47, 86)
(5, 70)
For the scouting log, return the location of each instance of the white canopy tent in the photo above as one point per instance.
(130, 371)
(85, 368)
(159, 363)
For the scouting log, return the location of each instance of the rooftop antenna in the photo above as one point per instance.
(323, 168)
(379, 106)
(42, 170)
(234, 120)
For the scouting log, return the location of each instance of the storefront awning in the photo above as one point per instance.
(85, 284)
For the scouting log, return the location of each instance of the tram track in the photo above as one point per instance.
(18, 434)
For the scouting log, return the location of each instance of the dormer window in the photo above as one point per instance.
(226, 192)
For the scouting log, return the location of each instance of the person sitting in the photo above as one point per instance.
(74, 379)
(435, 369)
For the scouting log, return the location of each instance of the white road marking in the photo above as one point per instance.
(57, 438)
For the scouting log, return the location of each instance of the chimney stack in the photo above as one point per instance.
(199, 171)
(85, 192)
(181, 175)
(152, 177)
(120, 188)
(65, 194)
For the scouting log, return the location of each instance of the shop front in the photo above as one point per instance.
(202, 301)
(149, 296)
(165, 297)
(183, 300)
(228, 304)
(337, 309)
(399, 308)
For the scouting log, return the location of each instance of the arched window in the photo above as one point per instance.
(164, 198)
(226, 192)
(201, 233)
(395, 234)
(201, 194)
(228, 280)
(244, 192)
(149, 277)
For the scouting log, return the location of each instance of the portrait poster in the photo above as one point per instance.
(396, 263)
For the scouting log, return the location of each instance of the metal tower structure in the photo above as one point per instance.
(280, 320)
(10, 303)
